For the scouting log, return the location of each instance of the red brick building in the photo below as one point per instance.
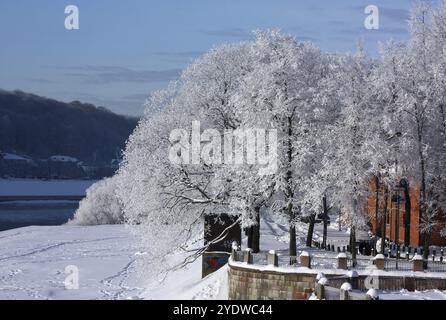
(402, 214)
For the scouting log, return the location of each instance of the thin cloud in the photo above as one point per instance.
(228, 33)
(41, 80)
(395, 14)
(137, 97)
(113, 74)
(181, 54)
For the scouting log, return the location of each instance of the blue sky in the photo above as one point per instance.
(125, 50)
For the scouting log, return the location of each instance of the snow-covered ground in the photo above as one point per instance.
(33, 262)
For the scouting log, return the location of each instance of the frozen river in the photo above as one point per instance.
(35, 213)
(18, 214)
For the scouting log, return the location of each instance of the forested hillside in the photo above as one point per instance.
(39, 127)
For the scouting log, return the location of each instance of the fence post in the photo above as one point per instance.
(342, 261)
(372, 294)
(418, 263)
(353, 279)
(247, 256)
(234, 250)
(345, 289)
(272, 258)
(379, 261)
(321, 282)
(305, 259)
(434, 253)
(320, 287)
(441, 255)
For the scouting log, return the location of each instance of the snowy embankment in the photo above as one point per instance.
(33, 264)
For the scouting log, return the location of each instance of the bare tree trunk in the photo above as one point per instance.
(293, 245)
(324, 236)
(423, 204)
(377, 220)
(443, 120)
(353, 244)
(310, 230)
(383, 220)
(339, 221)
(426, 242)
(256, 232)
(249, 232)
(290, 195)
(407, 209)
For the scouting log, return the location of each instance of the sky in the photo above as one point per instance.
(125, 50)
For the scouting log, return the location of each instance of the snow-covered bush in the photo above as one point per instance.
(101, 205)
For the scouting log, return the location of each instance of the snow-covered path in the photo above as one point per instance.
(33, 261)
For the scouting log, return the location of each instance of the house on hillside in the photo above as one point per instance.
(64, 167)
(12, 165)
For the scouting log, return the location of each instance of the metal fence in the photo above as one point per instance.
(436, 266)
(324, 262)
(286, 261)
(362, 263)
(331, 262)
(400, 265)
(239, 255)
(259, 259)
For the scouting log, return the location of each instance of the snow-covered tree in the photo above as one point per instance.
(100, 206)
(355, 153)
(170, 179)
(416, 111)
(280, 93)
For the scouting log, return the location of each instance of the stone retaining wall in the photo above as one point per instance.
(250, 283)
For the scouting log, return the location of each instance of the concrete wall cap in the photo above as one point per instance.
(417, 257)
(341, 255)
(352, 274)
(304, 254)
(379, 256)
(320, 275)
(346, 286)
(372, 293)
(322, 281)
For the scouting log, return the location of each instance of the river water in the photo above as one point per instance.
(35, 213)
